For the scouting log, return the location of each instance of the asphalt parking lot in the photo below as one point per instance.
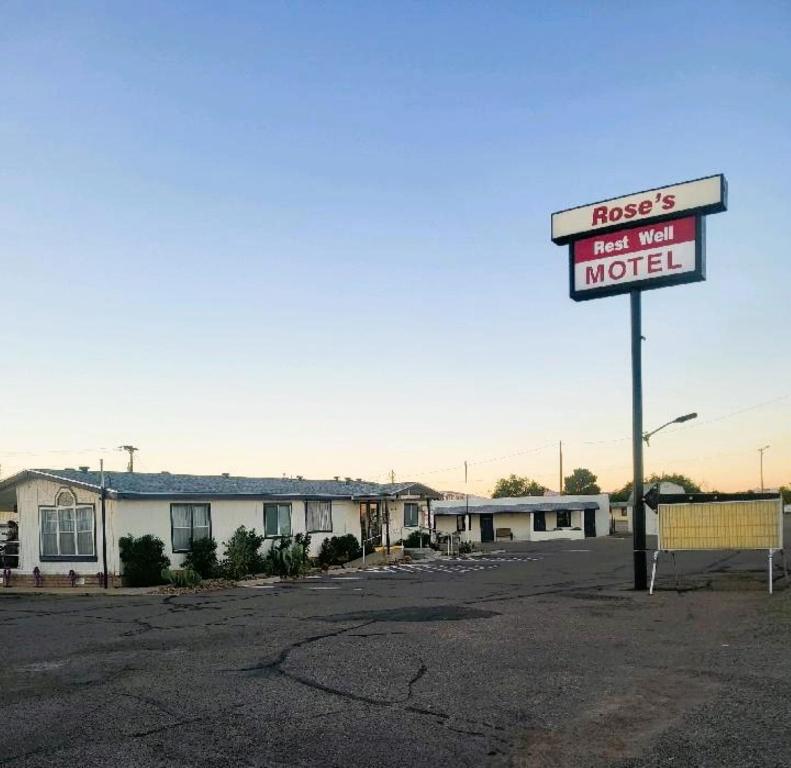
(540, 656)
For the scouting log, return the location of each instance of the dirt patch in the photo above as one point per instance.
(207, 585)
(617, 726)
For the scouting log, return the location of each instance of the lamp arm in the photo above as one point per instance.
(648, 435)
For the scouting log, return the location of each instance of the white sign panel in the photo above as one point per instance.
(708, 195)
(648, 256)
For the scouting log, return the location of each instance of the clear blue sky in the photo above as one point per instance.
(314, 237)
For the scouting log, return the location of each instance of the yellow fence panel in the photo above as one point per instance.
(721, 525)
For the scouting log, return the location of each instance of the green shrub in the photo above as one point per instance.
(202, 558)
(465, 547)
(144, 560)
(181, 577)
(242, 557)
(337, 550)
(417, 539)
(289, 557)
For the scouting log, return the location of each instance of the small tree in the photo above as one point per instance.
(689, 485)
(202, 558)
(144, 560)
(581, 482)
(514, 485)
(242, 557)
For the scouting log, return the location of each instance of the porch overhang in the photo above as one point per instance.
(526, 508)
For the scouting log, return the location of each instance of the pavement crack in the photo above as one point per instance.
(416, 677)
(151, 702)
(281, 658)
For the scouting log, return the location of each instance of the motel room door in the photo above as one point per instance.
(590, 523)
(487, 527)
(371, 523)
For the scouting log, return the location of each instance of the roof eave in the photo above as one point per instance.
(28, 474)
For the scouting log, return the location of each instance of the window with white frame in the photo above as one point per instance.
(188, 523)
(318, 516)
(564, 518)
(277, 520)
(67, 529)
(411, 514)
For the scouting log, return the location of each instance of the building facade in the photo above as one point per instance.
(525, 518)
(69, 525)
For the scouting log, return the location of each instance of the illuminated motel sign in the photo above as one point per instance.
(645, 240)
(630, 244)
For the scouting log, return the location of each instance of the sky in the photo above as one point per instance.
(313, 238)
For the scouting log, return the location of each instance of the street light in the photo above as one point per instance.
(761, 453)
(678, 420)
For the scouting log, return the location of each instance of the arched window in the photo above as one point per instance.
(67, 529)
(65, 498)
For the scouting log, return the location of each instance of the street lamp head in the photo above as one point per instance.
(763, 448)
(685, 417)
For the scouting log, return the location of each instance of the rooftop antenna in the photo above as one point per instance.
(130, 449)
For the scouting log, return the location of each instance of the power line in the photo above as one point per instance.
(697, 424)
(491, 460)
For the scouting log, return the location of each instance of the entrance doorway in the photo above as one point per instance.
(487, 527)
(590, 523)
(371, 523)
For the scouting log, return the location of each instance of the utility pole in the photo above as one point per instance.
(392, 476)
(761, 453)
(560, 480)
(130, 449)
(104, 523)
(466, 499)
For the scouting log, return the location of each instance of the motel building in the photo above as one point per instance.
(524, 518)
(59, 521)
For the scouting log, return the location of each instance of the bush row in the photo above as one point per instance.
(145, 562)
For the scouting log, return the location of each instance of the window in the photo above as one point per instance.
(539, 521)
(188, 523)
(461, 522)
(564, 518)
(410, 514)
(67, 530)
(277, 520)
(318, 516)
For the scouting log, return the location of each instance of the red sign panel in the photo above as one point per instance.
(648, 256)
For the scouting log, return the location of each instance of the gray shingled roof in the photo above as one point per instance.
(484, 509)
(156, 484)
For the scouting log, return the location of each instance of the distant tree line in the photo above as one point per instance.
(582, 482)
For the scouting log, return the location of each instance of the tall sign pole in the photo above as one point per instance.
(638, 505)
(630, 244)
(560, 473)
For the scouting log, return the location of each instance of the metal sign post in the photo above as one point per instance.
(638, 506)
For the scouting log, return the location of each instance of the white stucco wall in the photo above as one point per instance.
(398, 531)
(153, 516)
